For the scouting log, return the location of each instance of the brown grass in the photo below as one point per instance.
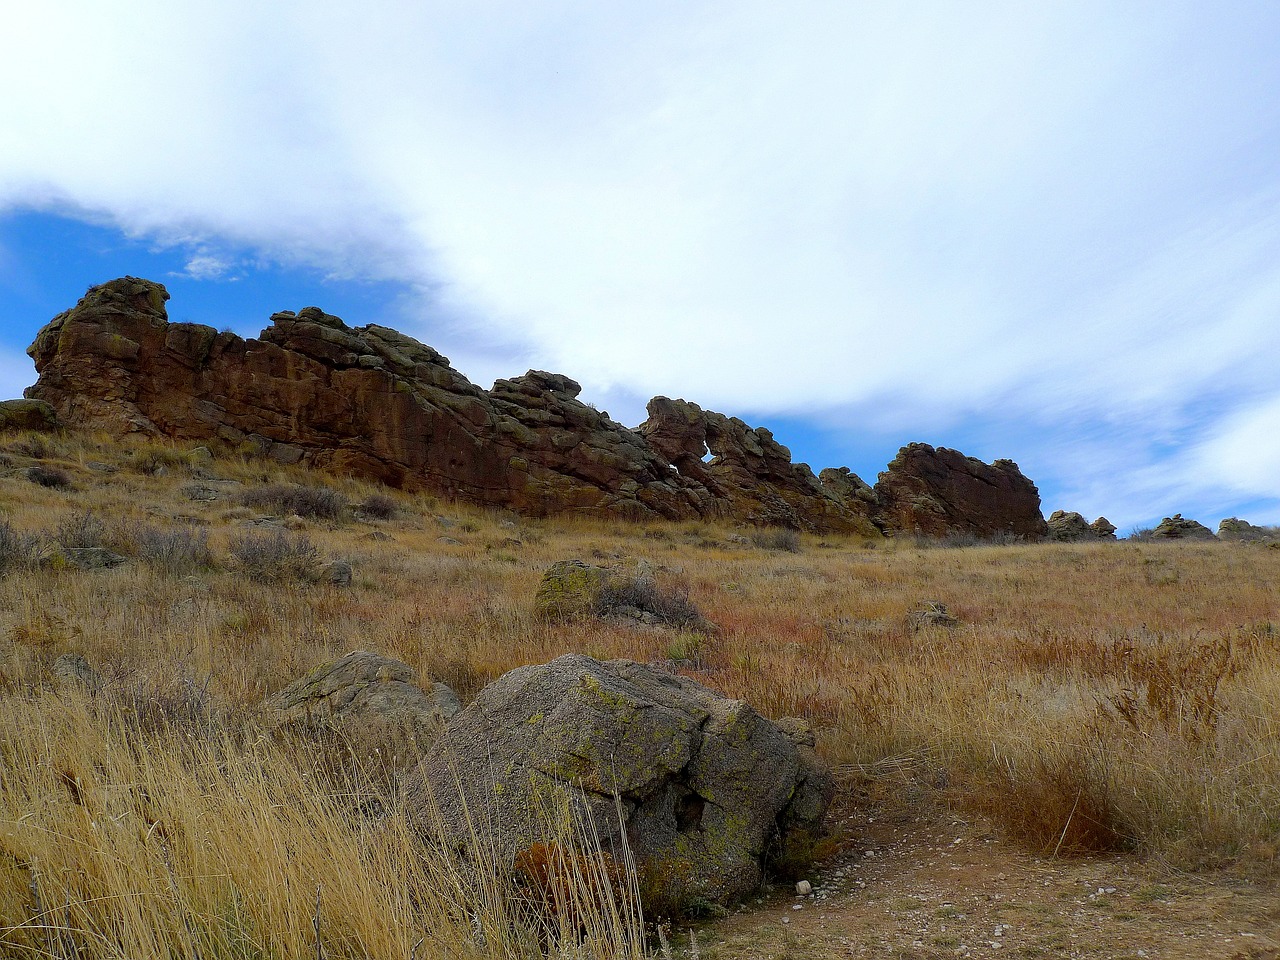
(1093, 697)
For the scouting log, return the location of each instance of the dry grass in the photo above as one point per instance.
(1093, 697)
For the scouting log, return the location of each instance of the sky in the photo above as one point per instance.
(1048, 232)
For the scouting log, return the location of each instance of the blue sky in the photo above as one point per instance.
(1048, 232)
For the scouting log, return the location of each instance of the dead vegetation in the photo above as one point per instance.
(1090, 698)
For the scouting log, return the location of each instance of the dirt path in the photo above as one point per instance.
(931, 884)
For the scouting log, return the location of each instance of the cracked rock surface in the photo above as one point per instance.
(706, 792)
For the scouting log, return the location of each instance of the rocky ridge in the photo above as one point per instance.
(372, 401)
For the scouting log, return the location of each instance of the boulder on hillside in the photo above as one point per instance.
(374, 701)
(27, 415)
(1071, 527)
(573, 589)
(705, 791)
(941, 492)
(1179, 528)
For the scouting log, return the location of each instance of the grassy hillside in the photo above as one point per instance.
(1102, 697)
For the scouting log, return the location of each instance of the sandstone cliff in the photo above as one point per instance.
(374, 402)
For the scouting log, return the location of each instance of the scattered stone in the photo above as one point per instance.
(708, 791)
(803, 888)
(97, 466)
(449, 541)
(200, 492)
(374, 701)
(1179, 528)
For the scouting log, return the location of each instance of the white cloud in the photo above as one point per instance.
(1056, 213)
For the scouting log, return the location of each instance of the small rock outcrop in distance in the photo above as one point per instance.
(941, 492)
(1071, 527)
(707, 792)
(374, 701)
(373, 402)
(1179, 528)
(1233, 528)
(27, 415)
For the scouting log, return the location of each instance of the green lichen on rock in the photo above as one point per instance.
(568, 590)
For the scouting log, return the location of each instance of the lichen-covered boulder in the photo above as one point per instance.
(573, 589)
(374, 701)
(705, 791)
(27, 415)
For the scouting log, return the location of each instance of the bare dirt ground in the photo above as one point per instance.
(918, 880)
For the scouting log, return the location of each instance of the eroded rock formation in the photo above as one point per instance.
(1179, 527)
(748, 474)
(374, 402)
(1070, 527)
(936, 493)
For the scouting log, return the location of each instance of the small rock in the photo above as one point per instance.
(803, 888)
(337, 573)
(449, 541)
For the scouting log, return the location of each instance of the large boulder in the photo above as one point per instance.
(1071, 527)
(705, 791)
(1178, 527)
(374, 701)
(941, 492)
(27, 415)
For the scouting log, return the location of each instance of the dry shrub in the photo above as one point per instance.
(177, 550)
(54, 478)
(1058, 800)
(295, 499)
(669, 603)
(18, 551)
(275, 556)
(379, 506)
(777, 538)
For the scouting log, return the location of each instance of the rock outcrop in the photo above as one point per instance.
(376, 704)
(1233, 528)
(373, 402)
(748, 474)
(1071, 527)
(938, 493)
(1178, 527)
(706, 791)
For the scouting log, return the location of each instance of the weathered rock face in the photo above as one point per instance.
(1071, 527)
(374, 701)
(749, 475)
(1233, 528)
(939, 492)
(1179, 528)
(374, 402)
(709, 791)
